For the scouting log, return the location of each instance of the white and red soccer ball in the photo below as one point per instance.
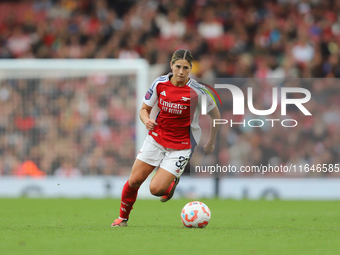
(195, 215)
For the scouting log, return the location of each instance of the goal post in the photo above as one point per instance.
(16, 69)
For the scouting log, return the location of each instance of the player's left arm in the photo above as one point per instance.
(210, 145)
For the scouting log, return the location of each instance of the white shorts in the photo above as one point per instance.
(171, 160)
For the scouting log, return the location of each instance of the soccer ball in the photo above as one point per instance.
(195, 215)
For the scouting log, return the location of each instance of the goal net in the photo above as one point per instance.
(70, 116)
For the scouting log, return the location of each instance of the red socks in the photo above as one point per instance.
(129, 196)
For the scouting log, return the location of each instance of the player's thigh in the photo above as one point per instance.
(140, 171)
(161, 181)
(172, 166)
(149, 156)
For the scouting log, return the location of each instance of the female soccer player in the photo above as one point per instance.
(172, 136)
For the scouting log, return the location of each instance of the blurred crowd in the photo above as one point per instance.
(67, 126)
(228, 38)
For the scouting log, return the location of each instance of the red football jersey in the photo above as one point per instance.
(179, 108)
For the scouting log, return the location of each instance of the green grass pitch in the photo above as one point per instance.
(82, 226)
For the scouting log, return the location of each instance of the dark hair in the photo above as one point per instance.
(182, 54)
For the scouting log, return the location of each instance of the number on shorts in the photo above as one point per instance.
(182, 161)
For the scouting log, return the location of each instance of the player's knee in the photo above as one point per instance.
(135, 183)
(156, 191)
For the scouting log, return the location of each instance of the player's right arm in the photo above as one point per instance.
(149, 101)
(144, 115)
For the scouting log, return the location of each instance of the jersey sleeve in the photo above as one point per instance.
(201, 90)
(151, 95)
(210, 103)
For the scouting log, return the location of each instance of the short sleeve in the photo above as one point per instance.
(151, 96)
(201, 90)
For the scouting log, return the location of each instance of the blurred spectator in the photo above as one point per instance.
(67, 169)
(170, 25)
(29, 168)
(210, 27)
(303, 51)
(18, 43)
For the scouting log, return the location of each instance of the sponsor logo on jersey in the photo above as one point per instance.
(163, 93)
(148, 94)
(185, 99)
(172, 105)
